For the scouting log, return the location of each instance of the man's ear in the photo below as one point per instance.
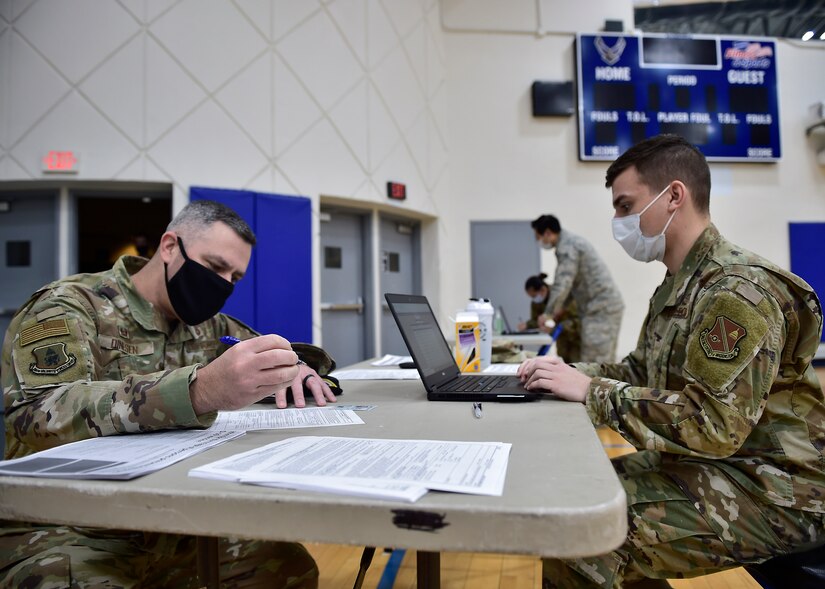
(678, 195)
(168, 246)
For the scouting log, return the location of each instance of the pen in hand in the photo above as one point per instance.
(231, 341)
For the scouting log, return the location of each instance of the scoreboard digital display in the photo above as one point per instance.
(718, 93)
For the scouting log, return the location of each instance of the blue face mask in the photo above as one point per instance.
(196, 292)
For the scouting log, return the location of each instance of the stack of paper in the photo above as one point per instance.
(390, 469)
(126, 456)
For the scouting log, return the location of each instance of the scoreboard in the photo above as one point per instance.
(718, 93)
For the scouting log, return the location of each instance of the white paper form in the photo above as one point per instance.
(461, 467)
(255, 419)
(376, 374)
(391, 360)
(501, 369)
(119, 457)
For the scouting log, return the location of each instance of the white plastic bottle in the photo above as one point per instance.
(484, 309)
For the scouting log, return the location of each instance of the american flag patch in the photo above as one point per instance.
(50, 328)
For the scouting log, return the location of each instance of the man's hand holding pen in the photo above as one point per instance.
(251, 370)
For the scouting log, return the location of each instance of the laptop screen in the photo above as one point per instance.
(423, 336)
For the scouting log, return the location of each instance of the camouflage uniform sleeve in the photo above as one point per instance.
(732, 357)
(632, 369)
(51, 375)
(568, 263)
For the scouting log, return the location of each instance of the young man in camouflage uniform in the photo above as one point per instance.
(719, 397)
(136, 349)
(584, 275)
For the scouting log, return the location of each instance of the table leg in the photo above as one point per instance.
(209, 565)
(428, 565)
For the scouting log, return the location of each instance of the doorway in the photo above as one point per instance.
(400, 272)
(111, 226)
(29, 256)
(345, 297)
(504, 256)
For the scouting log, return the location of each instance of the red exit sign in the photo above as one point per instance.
(64, 162)
(396, 190)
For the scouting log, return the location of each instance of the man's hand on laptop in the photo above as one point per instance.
(551, 374)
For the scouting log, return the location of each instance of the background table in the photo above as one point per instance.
(561, 496)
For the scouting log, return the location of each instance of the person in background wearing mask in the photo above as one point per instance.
(568, 344)
(719, 397)
(582, 274)
(136, 349)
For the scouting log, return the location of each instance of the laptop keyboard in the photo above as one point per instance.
(474, 384)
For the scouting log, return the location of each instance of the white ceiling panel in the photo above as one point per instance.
(74, 125)
(34, 87)
(321, 59)
(321, 163)
(118, 92)
(76, 36)
(351, 121)
(210, 38)
(248, 97)
(207, 148)
(171, 93)
(295, 109)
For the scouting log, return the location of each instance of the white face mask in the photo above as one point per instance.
(538, 298)
(628, 232)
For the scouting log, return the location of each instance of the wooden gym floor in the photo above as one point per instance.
(464, 570)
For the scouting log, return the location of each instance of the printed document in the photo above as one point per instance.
(119, 457)
(284, 419)
(391, 360)
(332, 463)
(376, 374)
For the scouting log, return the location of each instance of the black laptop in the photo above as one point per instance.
(436, 364)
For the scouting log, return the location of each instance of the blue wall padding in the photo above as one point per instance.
(275, 296)
(284, 269)
(807, 251)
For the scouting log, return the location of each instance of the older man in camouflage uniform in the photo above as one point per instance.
(719, 397)
(135, 349)
(582, 273)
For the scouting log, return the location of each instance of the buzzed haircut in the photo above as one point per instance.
(198, 215)
(546, 222)
(663, 159)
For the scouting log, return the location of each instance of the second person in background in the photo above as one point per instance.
(568, 345)
(582, 274)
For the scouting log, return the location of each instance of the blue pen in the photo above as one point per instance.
(556, 333)
(230, 340)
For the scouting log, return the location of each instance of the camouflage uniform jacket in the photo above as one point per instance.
(722, 375)
(582, 273)
(88, 356)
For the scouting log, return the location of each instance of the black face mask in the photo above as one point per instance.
(196, 292)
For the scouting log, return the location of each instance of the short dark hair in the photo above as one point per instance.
(536, 282)
(201, 214)
(665, 158)
(546, 222)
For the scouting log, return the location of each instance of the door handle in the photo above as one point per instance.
(357, 305)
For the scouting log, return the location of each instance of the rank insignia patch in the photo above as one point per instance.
(720, 341)
(51, 359)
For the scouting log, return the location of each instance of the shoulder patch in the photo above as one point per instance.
(727, 336)
(720, 341)
(51, 359)
(39, 331)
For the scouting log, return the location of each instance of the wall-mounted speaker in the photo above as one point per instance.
(553, 99)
